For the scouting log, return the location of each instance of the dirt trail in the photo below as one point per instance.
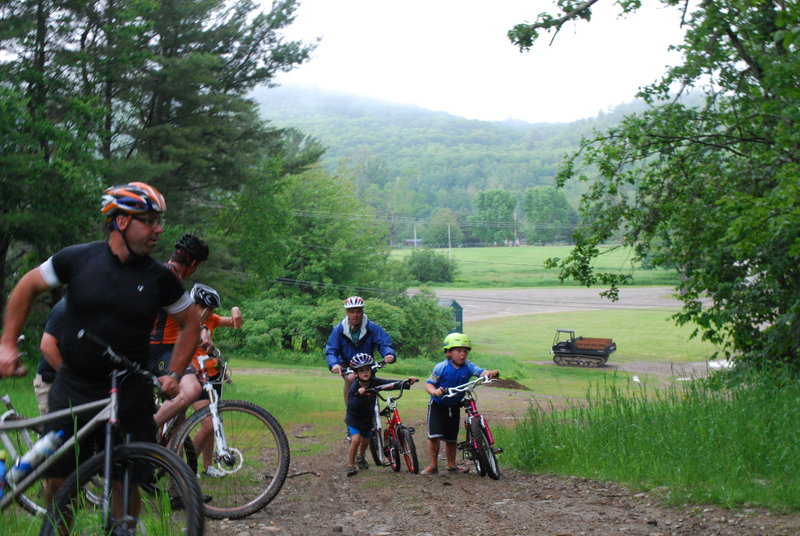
(319, 499)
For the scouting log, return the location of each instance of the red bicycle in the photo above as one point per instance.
(398, 440)
(479, 444)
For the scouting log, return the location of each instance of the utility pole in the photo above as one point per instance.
(449, 245)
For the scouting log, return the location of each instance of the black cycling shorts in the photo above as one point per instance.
(443, 422)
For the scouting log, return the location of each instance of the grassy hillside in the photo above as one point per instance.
(433, 152)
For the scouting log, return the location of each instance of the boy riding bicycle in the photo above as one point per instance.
(444, 414)
(361, 407)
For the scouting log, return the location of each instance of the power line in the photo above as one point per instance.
(561, 304)
(425, 221)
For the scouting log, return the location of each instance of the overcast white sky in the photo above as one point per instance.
(454, 56)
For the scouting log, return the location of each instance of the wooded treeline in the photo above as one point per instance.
(97, 93)
(106, 92)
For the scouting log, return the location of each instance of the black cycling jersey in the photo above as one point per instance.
(112, 300)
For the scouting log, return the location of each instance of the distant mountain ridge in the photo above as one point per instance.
(434, 152)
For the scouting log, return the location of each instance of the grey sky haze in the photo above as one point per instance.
(454, 56)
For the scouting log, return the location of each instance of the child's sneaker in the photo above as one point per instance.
(351, 470)
(214, 472)
(362, 462)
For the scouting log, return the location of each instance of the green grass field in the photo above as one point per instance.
(523, 266)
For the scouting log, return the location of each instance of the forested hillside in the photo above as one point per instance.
(443, 159)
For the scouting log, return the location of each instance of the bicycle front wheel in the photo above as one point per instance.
(484, 450)
(407, 448)
(476, 453)
(377, 443)
(167, 502)
(250, 474)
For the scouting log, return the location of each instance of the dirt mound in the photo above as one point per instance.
(509, 384)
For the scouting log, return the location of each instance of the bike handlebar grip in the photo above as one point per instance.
(83, 334)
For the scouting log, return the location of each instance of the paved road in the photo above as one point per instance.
(483, 304)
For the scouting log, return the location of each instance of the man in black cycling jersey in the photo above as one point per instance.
(114, 291)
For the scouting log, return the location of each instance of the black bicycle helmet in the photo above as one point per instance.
(204, 295)
(193, 246)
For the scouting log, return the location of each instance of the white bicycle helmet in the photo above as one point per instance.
(204, 295)
(361, 360)
(354, 301)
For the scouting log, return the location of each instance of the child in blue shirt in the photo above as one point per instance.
(444, 414)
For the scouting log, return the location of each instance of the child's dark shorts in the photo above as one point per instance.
(363, 433)
(443, 422)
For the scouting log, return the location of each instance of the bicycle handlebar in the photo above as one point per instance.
(469, 386)
(121, 362)
(406, 385)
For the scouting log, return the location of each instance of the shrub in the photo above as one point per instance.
(416, 323)
(426, 265)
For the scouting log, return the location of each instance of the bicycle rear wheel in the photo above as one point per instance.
(258, 464)
(407, 448)
(485, 452)
(173, 504)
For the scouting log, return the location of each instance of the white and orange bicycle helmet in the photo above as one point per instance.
(354, 301)
(132, 198)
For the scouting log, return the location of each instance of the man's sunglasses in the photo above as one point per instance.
(150, 221)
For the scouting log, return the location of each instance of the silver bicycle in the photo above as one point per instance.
(167, 498)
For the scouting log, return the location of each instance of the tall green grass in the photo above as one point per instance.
(694, 442)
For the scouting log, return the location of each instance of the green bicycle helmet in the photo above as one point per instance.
(456, 340)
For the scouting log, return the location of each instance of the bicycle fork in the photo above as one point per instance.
(220, 443)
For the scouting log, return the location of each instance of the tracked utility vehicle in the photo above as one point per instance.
(572, 351)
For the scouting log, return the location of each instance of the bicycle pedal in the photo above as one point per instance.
(410, 429)
(463, 445)
(497, 450)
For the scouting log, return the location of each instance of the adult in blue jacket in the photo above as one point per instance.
(356, 334)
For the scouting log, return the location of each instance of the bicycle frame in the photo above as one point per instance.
(472, 413)
(105, 414)
(392, 415)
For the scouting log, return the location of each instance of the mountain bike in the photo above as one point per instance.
(479, 444)
(245, 445)
(102, 495)
(398, 440)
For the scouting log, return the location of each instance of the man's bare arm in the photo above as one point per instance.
(18, 308)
